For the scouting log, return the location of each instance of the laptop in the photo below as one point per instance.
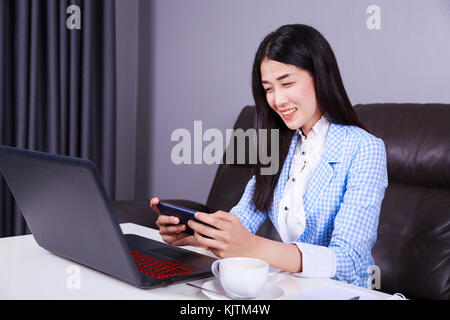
(68, 212)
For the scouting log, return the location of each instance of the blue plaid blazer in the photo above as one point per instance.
(342, 200)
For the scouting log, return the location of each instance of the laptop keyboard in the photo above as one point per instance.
(158, 268)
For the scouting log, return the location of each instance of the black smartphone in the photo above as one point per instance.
(182, 213)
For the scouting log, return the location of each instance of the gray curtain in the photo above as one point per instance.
(57, 87)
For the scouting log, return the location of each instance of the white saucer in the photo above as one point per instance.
(273, 270)
(270, 291)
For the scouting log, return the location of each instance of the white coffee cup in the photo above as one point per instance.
(241, 277)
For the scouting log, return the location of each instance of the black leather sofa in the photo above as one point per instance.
(413, 244)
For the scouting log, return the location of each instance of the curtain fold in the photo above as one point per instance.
(57, 87)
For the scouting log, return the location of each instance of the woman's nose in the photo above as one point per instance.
(280, 100)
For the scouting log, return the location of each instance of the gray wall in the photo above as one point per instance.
(193, 58)
(134, 40)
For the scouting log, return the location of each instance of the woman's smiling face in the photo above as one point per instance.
(291, 94)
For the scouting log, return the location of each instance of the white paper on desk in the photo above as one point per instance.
(331, 292)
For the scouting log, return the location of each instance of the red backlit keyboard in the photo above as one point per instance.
(158, 268)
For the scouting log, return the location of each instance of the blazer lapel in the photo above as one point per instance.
(324, 172)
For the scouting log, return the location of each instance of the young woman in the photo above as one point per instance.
(325, 199)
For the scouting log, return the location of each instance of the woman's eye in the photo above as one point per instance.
(287, 84)
(267, 89)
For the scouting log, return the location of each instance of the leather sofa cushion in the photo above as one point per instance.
(417, 140)
(413, 244)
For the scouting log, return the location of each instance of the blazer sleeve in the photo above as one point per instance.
(245, 209)
(356, 223)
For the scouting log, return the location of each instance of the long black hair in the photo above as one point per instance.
(302, 46)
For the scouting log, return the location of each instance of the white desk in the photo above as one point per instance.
(29, 272)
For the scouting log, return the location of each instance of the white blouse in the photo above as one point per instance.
(308, 152)
(317, 261)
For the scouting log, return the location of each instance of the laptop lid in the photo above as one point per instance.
(67, 210)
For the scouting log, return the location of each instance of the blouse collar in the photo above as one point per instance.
(319, 130)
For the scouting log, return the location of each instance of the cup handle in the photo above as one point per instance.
(215, 268)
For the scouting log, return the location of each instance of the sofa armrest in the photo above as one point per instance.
(135, 211)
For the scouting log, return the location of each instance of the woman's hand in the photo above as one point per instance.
(170, 230)
(229, 237)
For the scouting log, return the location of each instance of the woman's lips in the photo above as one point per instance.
(289, 113)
